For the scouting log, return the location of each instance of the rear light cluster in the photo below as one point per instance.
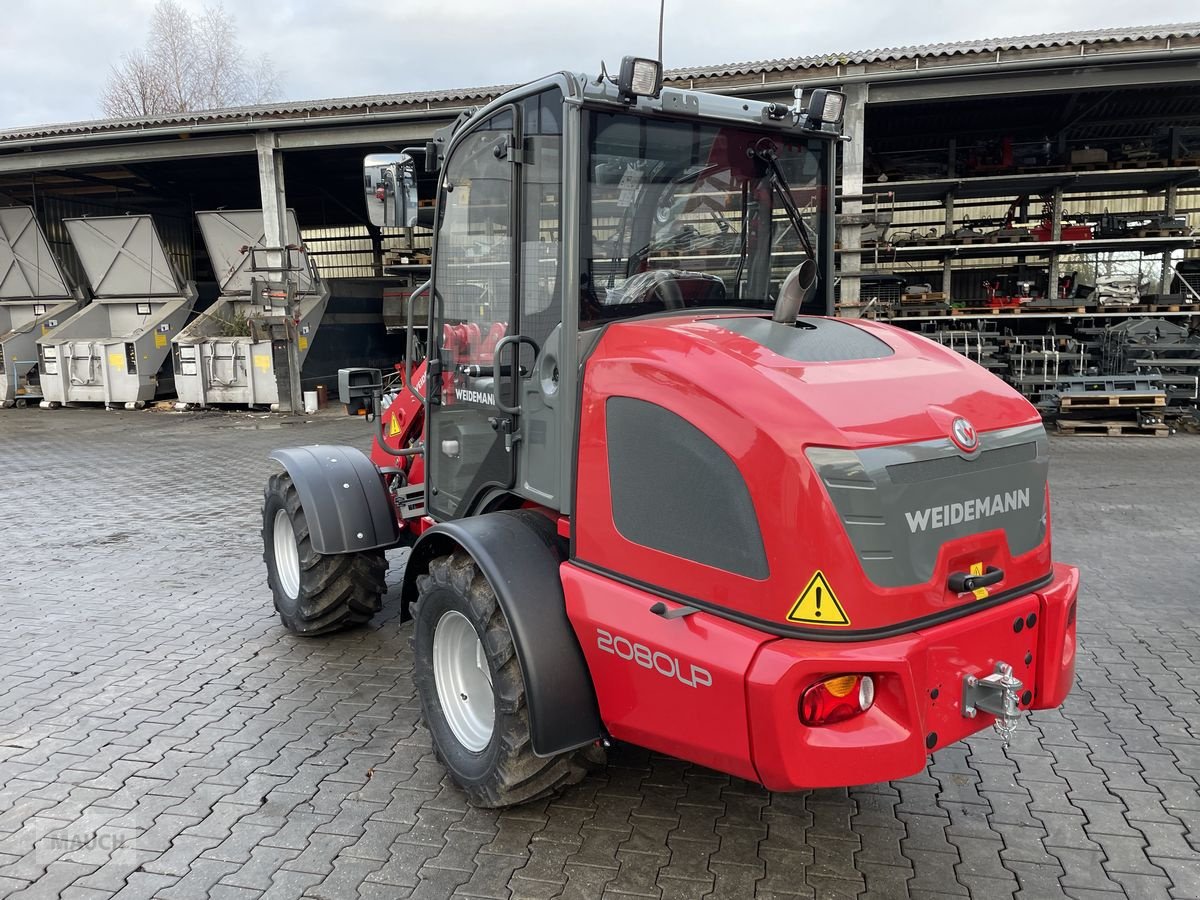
(837, 699)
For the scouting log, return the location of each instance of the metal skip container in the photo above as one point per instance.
(111, 351)
(34, 298)
(236, 351)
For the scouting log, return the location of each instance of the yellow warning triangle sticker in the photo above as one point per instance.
(980, 593)
(818, 605)
(394, 428)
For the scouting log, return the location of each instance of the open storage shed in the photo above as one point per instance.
(985, 184)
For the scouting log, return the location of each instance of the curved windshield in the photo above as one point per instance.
(691, 215)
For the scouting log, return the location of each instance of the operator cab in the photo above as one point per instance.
(576, 202)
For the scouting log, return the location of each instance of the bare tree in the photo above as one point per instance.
(135, 89)
(189, 63)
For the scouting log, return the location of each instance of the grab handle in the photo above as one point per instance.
(964, 582)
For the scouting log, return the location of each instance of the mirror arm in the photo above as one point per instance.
(408, 341)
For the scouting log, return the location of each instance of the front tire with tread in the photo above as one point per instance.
(336, 591)
(505, 772)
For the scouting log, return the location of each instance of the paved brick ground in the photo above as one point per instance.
(162, 736)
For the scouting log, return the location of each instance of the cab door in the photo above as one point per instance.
(471, 445)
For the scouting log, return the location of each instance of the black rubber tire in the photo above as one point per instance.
(506, 772)
(336, 591)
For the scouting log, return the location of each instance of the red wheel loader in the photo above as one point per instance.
(654, 493)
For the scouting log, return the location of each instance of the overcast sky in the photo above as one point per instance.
(55, 54)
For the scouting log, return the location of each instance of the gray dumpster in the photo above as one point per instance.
(236, 351)
(34, 299)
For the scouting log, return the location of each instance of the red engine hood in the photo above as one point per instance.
(820, 422)
(911, 391)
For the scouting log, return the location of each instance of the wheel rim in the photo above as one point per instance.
(287, 556)
(464, 681)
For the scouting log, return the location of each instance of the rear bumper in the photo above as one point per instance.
(919, 678)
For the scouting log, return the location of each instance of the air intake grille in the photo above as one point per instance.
(949, 466)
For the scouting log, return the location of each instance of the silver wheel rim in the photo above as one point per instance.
(464, 681)
(287, 556)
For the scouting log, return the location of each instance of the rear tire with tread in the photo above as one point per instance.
(336, 591)
(505, 772)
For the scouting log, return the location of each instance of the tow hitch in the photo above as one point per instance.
(998, 694)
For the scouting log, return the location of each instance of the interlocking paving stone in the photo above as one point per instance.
(162, 735)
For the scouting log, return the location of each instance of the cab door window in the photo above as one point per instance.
(472, 283)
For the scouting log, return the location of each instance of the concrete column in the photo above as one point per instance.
(276, 257)
(850, 236)
(1169, 208)
(1053, 270)
(948, 262)
(274, 198)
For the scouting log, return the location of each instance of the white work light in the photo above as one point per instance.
(640, 77)
(826, 107)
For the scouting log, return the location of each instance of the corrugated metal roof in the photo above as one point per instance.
(415, 101)
(959, 48)
(299, 109)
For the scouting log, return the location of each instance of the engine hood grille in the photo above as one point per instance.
(901, 504)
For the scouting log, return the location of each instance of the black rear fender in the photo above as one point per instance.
(518, 553)
(344, 499)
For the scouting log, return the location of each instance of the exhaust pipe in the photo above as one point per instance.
(796, 287)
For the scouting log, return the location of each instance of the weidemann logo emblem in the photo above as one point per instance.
(967, 510)
(469, 396)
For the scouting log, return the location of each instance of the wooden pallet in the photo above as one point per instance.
(931, 297)
(1033, 307)
(1161, 232)
(1075, 310)
(1124, 399)
(1139, 164)
(1112, 429)
(1025, 238)
(988, 310)
(1144, 308)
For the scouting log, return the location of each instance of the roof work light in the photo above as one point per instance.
(640, 77)
(826, 107)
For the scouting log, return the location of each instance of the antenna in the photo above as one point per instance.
(662, 8)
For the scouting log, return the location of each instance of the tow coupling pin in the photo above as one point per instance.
(998, 694)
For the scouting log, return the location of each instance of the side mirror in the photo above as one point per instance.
(796, 288)
(390, 189)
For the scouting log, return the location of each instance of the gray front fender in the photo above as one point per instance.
(343, 496)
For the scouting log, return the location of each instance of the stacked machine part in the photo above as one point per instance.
(1037, 364)
(1140, 376)
(1168, 352)
(34, 299)
(981, 344)
(1112, 405)
(1148, 383)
